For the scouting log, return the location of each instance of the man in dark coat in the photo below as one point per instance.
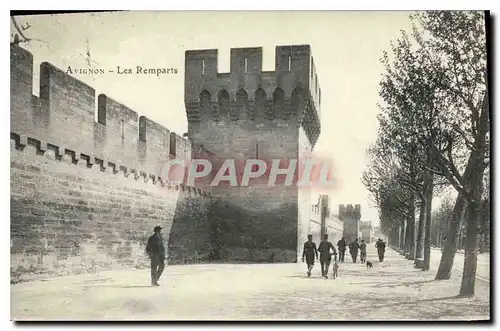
(309, 253)
(380, 245)
(156, 251)
(341, 244)
(353, 249)
(362, 251)
(325, 257)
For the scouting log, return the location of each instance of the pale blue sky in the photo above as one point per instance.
(346, 47)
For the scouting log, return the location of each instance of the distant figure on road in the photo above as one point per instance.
(380, 245)
(156, 251)
(341, 244)
(325, 257)
(362, 251)
(353, 250)
(309, 252)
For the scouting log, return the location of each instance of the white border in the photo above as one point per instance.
(261, 5)
(199, 5)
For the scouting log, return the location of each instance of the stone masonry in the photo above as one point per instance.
(87, 194)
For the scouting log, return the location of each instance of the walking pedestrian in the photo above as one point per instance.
(362, 250)
(353, 250)
(380, 245)
(325, 257)
(309, 252)
(341, 244)
(156, 252)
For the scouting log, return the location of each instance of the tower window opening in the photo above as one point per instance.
(289, 63)
(142, 129)
(255, 167)
(123, 128)
(101, 109)
(202, 67)
(246, 65)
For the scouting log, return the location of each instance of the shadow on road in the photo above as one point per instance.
(407, 284)
(303, 277)
(418, 302)
(120, 286)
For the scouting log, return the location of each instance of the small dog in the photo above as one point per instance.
(335, 269)
(369, 265)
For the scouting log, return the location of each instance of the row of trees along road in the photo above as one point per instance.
(433, 135)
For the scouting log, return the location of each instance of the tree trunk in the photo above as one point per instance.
(450, 244)
(472, 228)
(428, 219)
(400, 242)
(401, 238)
(405, 241)
(470, 259)
(420, 231)
(407, 237)
(411, 230)
(395, 239)
(476, 190)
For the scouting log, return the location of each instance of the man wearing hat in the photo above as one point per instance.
(156, 252)
(325, 257)
(380, 245)
(308, 253)
(341, 244)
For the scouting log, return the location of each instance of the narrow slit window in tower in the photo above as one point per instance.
(246, 65)
(255, 167)
(312, 68)
(142, 129)
(289, 63)
(122, 124)
(202, 67)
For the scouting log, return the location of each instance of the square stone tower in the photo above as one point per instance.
(350, 216)
(248, 113)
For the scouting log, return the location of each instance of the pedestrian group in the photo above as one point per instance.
(156, 251)
(327, 250)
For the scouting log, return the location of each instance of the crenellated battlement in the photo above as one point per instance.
(351, 211)
(293, 64)
(350, 216)
(64, 117)
(290, 94)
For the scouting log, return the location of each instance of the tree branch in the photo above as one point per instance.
(468, 142)
(18, 29)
